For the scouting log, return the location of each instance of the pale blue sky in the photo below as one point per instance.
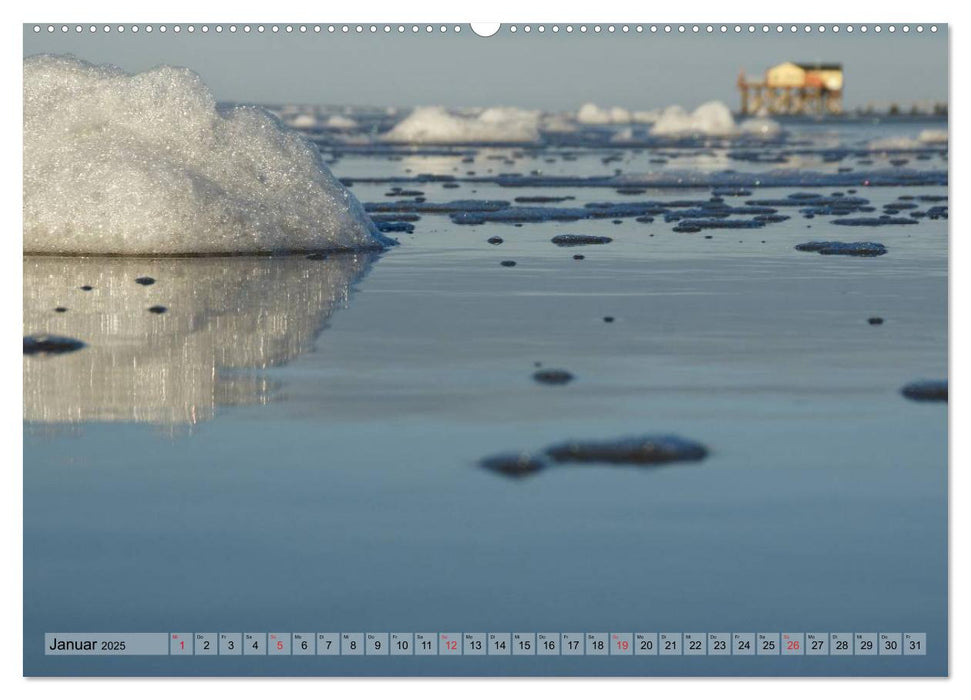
(548, 71)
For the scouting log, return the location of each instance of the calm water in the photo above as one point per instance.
(294, 444)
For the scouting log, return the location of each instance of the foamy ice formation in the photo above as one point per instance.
(339, 121)
(496, 124)
(710, 119)
(927, 137)
(303, 121)
(592, 114)
(147, 165)
(761, 127)
(933, 136)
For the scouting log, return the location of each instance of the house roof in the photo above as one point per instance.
(820, 66)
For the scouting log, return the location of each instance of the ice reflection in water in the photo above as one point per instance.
(224, 316)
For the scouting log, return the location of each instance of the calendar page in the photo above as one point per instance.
(542, 349)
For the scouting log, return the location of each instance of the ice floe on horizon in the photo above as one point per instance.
(926, 138)
(592, 114)
(762, 127)
(339, 121)
(147, 164)
(439, 125)
(710, 119)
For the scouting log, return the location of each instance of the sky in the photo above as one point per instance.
(546, 71)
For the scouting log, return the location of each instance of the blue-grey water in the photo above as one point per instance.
(294, 445)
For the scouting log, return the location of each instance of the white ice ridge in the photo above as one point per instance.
(147, 165)
(590, 113)
(710, 119)
(495, 124)
(926, 138)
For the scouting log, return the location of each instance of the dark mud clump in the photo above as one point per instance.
(859, 249)
(541, 200)
(879, 221)
(567, 240)
(145, 281)
(553, 376)
(731, 192)
(43, 345)
(513, 465)
(388, 218)
(659, 449)
(927, 390)
(696, 225)
(395, 227)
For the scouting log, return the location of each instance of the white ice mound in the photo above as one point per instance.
(339, 121)
(438, 125)
(303, 121)
(762, 127)
(710, 119)
(592, 114)
(933, 136)
(927, 137)
(147, 165)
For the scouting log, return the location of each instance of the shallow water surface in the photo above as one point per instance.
(296, 444)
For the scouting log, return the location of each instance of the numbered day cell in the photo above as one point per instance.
(474, 643)
(621, 643)
(523, 644)
(426, 644)
(180, 644)
(719, 644)
(597, 643)
(205, 643)
(793, 643)
(841, 644)
(254, 643)
(376, 644)
(450, 644)
(669, 643)
(915, 644)
(694, 644)
(743, 644)
(230, 643)
(548, 643)
(865, 643)
(890, 644)
(645, 643)
(401, 644)
(500, 643)
(767, 644)
(278, 644)
(352, 644)
(817, 644)
(328, 644)
(303, 644)
(571, 644)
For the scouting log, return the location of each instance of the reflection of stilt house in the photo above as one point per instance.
(794, 88)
